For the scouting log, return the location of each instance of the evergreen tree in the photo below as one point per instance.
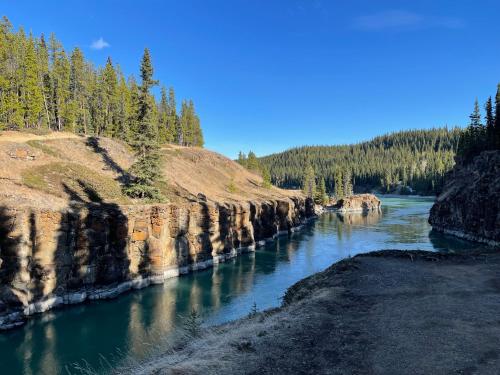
(32, 98)
(109, 84)
(339, 184)
(124, 108)
(146, 170)
(321, 196)
(266, 178)
(41, 86)
(347, 183)
(78, 92)
(252, 161)
(496, 131)
(163, 113)
(309, 182)
(173, 126)
(242, 159)
(490, 124)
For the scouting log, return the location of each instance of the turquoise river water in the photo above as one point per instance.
(97, 333)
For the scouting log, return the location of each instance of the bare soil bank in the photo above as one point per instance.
(389, 312)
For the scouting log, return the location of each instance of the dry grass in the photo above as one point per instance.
(67, 158)
(73, 180)
(42, 146)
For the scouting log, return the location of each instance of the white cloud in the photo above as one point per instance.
(403, 20)
(99, 44)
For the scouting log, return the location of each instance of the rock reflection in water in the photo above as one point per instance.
(140, 321)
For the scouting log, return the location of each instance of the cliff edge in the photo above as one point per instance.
(68, 234)
(469, 204)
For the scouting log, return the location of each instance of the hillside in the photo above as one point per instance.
(68, 233)
(417, 159)
(44, 171)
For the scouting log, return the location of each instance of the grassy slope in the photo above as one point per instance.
(47, 170)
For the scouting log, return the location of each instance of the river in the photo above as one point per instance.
(96, 334)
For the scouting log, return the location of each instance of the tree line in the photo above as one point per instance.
(44, 87)
(410, 161)
(481, 136)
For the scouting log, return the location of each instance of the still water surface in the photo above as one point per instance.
(135, 322)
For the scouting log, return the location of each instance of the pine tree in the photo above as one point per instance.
(172, 120)
(109, 86)
(309, 182)
(266, 178)
(242, 159)
(321, 196)
(78, 94)
(347, 183)
(490, 124)
(339, 185)
(496, 131)
(32, 98)
(146, 171)
(252, 161)
(124, 108)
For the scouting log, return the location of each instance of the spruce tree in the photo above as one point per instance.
(266, 178)
(172, 120)
(309, 182)
(321, 196)
(163, 113)
(32, 98)
(496, 130)
(242, 159)
(339, 184)
(490, 124)
(347, 183)
(252, 161)
(146, 171)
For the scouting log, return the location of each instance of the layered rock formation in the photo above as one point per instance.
(94, 251)
(469, 205)
(358, 203)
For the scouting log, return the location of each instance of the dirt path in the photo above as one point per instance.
(381, 313)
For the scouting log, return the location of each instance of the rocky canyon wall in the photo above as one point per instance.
(469, 205)
(99, 250)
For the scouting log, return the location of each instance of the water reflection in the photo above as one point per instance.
(137, 321)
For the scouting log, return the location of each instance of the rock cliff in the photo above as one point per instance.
(96, 251)
(67, 234)
(469, 205)
(358, 203)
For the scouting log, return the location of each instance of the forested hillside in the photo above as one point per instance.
(479, 136)
(414, 160)
(45, 86)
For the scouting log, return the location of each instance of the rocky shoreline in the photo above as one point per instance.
(174, 242)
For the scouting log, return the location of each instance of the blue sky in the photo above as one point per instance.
(268, 75)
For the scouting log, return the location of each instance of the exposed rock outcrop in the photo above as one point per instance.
(469, 205)
(99, 250)
(358, 203)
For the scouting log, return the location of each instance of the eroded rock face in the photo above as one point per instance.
(49, 258)
(469, 205)
(358, 203)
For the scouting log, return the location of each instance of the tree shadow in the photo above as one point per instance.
(93, 142)
(92, 242)
(10, 262)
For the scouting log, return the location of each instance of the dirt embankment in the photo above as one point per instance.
(389, 312)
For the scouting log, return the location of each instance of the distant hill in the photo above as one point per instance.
(405, 161)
